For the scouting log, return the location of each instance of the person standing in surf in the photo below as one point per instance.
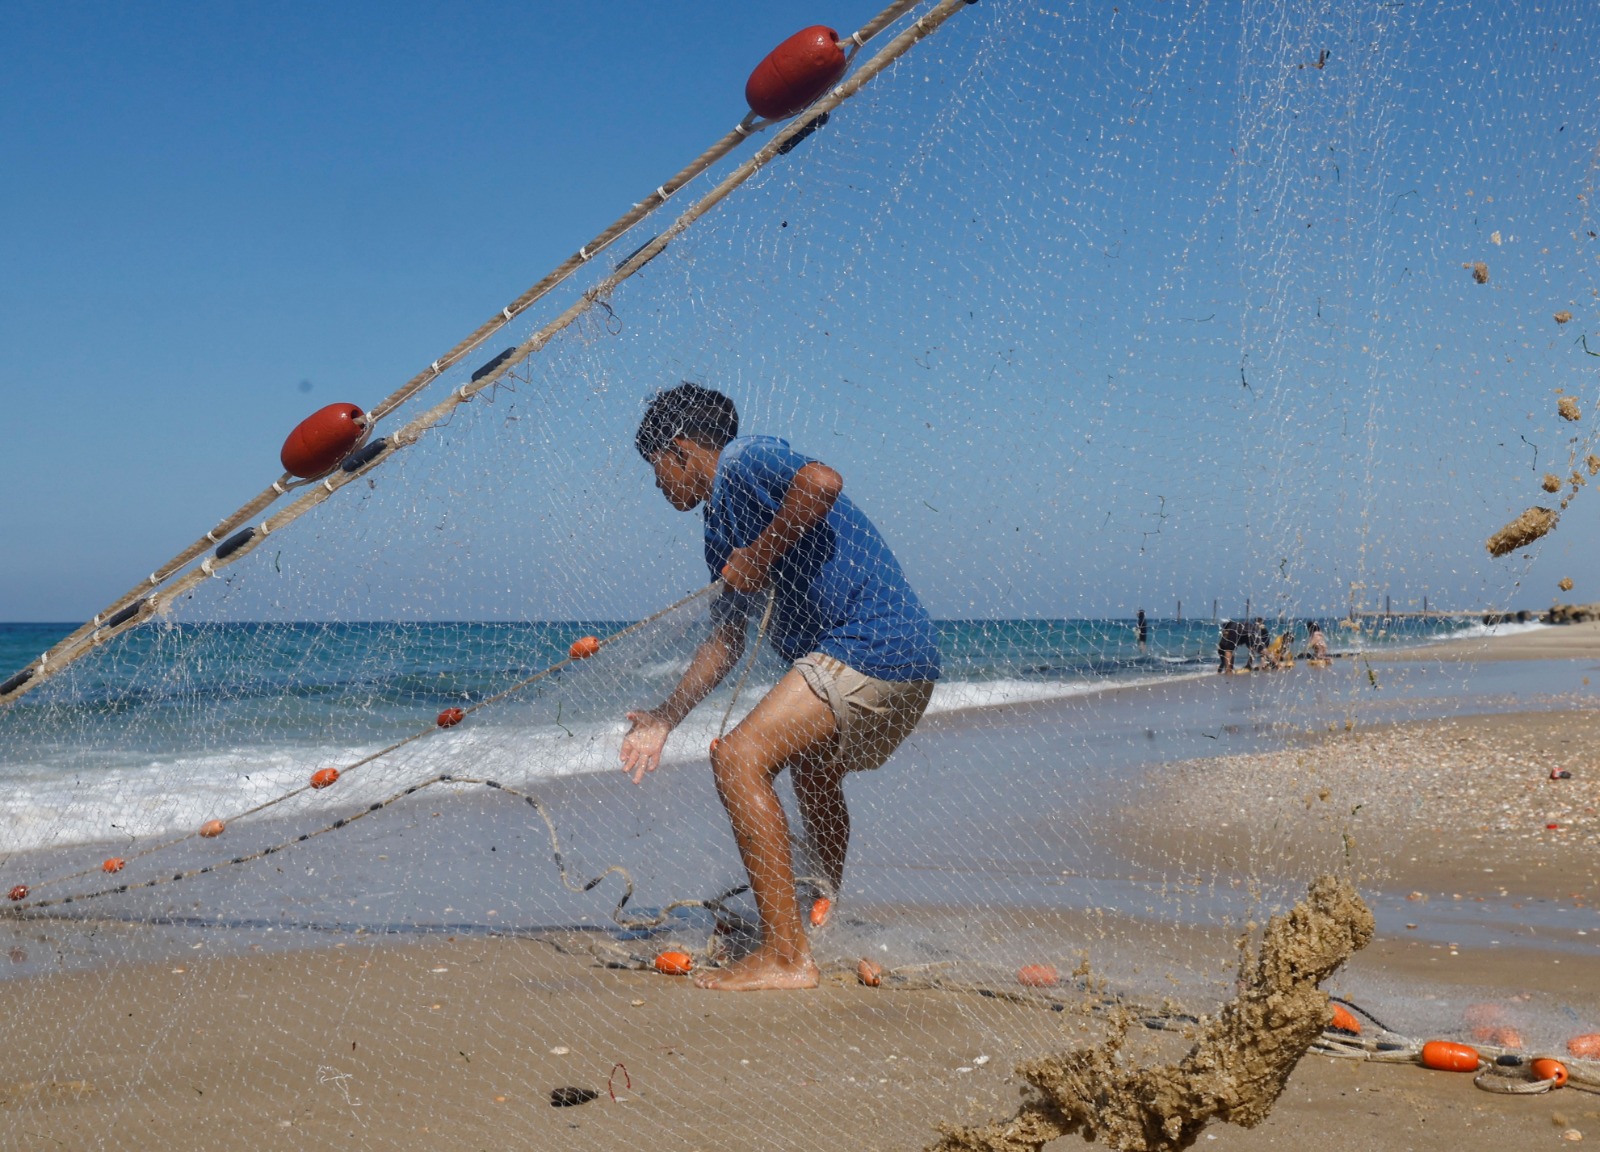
(863, 653)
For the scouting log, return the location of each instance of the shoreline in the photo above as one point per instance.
(414, 1027)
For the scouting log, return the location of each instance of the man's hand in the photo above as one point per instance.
(747, 570)
(641, 747)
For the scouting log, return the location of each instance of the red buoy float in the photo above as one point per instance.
(323, 439)
(1586, 1047)
(584, 647)
(1447, 1056)
(1038, 976)
(1345, 1021)
(114, 864)
(674, 963)
(795, 73)
(324, 777)
(211, 829)
(820, 911)
(1552, 1070)
(450, 717)
(869, 973)
(20, 892)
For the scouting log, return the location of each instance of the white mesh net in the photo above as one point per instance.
(1195, 311)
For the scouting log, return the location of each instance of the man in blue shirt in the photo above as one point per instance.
(864, 655)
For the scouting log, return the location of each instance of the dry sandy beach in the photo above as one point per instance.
(458, 1042)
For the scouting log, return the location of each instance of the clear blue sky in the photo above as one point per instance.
(220, 217)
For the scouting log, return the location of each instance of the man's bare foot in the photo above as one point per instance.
(760, 971)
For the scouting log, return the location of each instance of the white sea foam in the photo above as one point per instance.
(101, 796)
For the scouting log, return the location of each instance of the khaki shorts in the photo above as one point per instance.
(873, 716)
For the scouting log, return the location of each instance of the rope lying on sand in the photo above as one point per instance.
(142, 602)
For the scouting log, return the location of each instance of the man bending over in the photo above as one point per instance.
(863, 654)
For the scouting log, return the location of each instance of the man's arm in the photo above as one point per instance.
(713, 659)
(806, 504)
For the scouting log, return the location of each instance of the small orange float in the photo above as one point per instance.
(584, 647)
(819, 911)
(20, 892)
(1498, 1035)
(320, 441)
(1586, 1046)
(324, 777)
(869, 973)
(795, 73)
(114, 864)
(212, 828)
(715, 741)
(1038, 976)
(674, 963)
(1448, 1056)
(450, 717)
(1344, 1021)
(1552, 1070)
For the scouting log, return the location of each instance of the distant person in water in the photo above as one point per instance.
(1256, 639)
(1227, 641)
(1318, 642)
(863, 655)
(1142, 630)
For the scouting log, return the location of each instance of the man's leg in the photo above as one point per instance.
(788, 722)
(819, 789)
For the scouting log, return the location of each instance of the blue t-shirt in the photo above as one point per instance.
(839, 590)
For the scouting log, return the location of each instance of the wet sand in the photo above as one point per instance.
(455, 1040)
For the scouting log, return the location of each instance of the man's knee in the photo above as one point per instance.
(737, 761)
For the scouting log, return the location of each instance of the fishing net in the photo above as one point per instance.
(1195, 312)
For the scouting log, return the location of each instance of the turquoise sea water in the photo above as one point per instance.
(225, 714)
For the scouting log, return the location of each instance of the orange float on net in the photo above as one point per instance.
(584, 647)
(323, 439)
(1586, 1046)
(324, 777)
(450, 717)
(20, 892)
(1344, 1021)
(1038, 976)
(795, 73)
(1499, 1035)
(114, 864)
(1552, 1070)
(1448, 1056)
(674, 963)
(212, 828)
(869, 973)
(820, 909)
(715, 742)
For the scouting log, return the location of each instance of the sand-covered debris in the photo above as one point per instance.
(1565, 583)
(1568, 407)
(1525, 529)
(1563, 316)
(1551, 482)
(1480, 271)
(1593, 463)
(1234, 1072)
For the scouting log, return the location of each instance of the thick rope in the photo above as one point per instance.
(138, 603)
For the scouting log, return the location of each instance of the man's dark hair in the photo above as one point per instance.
(700, 414)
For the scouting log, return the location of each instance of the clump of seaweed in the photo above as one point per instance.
(1568, 407)
(1565, 583)
(1525, 529)
(1236, 1069)
(1480, 271)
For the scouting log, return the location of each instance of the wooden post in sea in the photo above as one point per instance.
(1213, 611)
(1180, 611)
